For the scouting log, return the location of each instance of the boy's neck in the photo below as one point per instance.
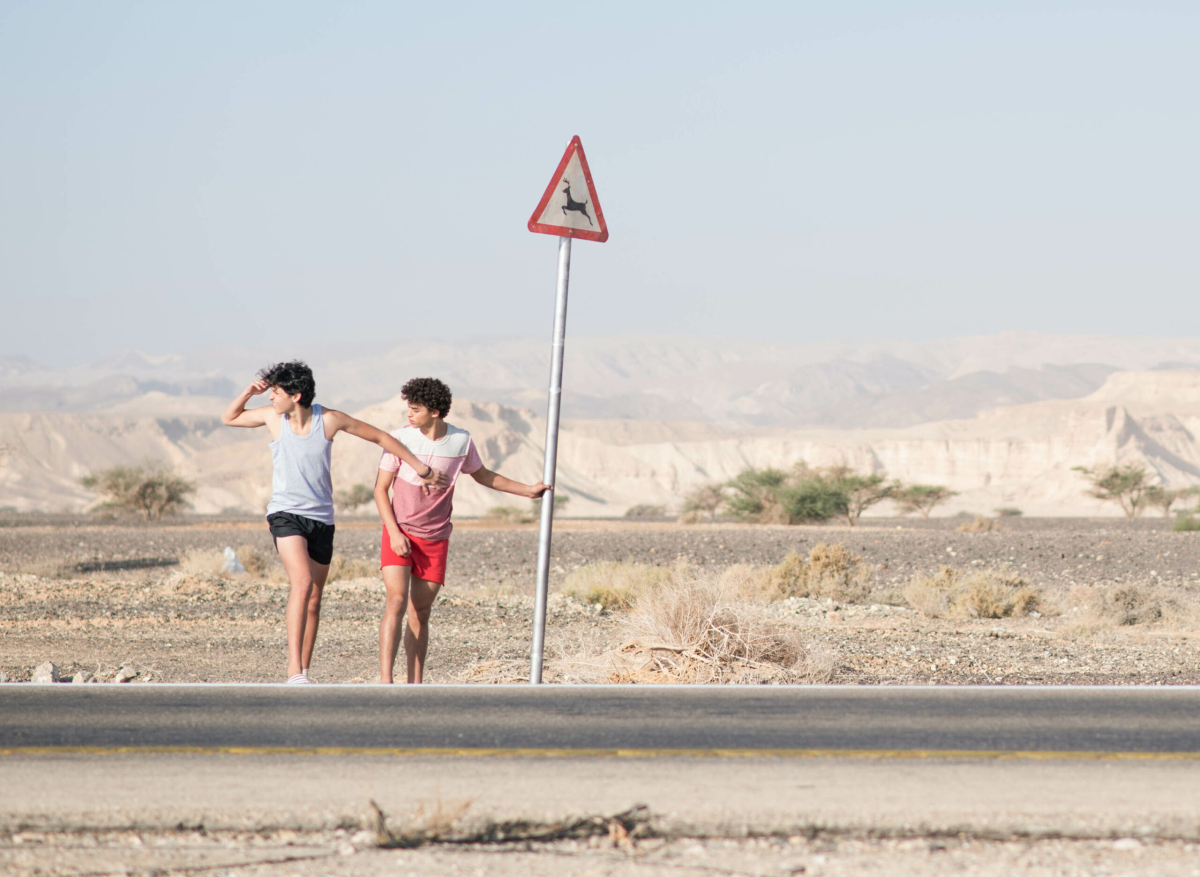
(435, 430)
(300, 417)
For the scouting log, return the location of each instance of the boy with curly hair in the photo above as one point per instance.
(301, 509)
(416, 525)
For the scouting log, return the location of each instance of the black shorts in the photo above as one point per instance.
(318, 535)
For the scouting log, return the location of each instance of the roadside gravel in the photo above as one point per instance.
(59, 604)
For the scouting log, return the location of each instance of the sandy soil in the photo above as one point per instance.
(347, 852)
(93, 597)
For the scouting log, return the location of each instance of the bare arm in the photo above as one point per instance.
(382, 502)
(496, 481)
(237, 415)
(344, 422)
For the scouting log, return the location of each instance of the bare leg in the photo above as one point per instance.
(421, 595)
(395, 583)
(320, 572)
(293, 552)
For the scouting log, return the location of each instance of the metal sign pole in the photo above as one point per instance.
(552, 411)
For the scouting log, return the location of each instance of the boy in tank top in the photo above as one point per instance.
(416, 523)
(301, 509)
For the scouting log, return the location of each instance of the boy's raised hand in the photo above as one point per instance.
(257, 387)
(536, 490)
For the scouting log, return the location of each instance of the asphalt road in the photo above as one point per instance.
(602, 718)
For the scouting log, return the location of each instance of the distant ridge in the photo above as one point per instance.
(1020, 455)
(657, 377)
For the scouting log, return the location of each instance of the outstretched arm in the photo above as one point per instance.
(237, 415)
(496, 481)
(339, 420)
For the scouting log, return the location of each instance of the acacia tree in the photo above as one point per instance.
(705, 499)
(923, 498)
(150, 490)
(860, 491)
(754, 494)
(773, 496)
(1126, 485)
(1163, 499)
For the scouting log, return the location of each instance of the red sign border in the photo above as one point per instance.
(576, 145)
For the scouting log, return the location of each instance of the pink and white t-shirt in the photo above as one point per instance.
(428, 517)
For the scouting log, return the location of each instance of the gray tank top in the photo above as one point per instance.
(301, 484)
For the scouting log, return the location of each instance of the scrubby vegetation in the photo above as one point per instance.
(353, 497)
(508, 515)
(981, 524)
(639, 512)
(988, 593)
(612, 586)
(1126, 485)
(151, 490)
(692, 627)
(923, 498)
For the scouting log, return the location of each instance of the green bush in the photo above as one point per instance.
(646, 511)
(1185, 524)
(150, 490)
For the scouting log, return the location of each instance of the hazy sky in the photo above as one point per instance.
(182, 175)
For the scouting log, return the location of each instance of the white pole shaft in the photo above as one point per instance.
(554, 406)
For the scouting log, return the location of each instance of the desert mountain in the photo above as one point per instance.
(1019, 455)
(674, 378)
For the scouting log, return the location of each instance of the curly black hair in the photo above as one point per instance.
(430, 392)
(292, 377)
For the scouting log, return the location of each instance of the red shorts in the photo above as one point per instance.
(426, 557)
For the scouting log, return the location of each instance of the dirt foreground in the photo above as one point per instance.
(93, 599)
(145, 604)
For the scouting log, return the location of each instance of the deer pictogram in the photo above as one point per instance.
(572, 204)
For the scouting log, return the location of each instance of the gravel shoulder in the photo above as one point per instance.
(94, 597)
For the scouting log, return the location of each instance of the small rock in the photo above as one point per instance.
(125, 674)
(1127, 843)
(347, 849)
(82, 676)
(44, 673)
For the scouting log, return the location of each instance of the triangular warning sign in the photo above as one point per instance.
(569, 207)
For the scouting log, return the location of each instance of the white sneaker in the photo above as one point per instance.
(299, 679)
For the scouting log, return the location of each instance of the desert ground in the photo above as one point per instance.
(1114, 602)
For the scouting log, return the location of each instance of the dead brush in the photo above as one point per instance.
(830, 572)
(342, 567)
(255, 562)
(987, 593)
(981, 524)
(689, 629)
(202, 561)
(1128, 605)
(612, 586)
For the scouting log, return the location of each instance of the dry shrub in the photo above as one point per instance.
(830, 572)
(613, 586)
(202, 561)
(342, 567)
(1131, 604)
(987, 593)
(255, 562)
(1101, 609)
(981, 524)
(689, 628)
(507, 514)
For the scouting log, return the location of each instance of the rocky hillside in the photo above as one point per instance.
(1017, 455)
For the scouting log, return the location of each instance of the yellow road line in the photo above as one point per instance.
(436, 752)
